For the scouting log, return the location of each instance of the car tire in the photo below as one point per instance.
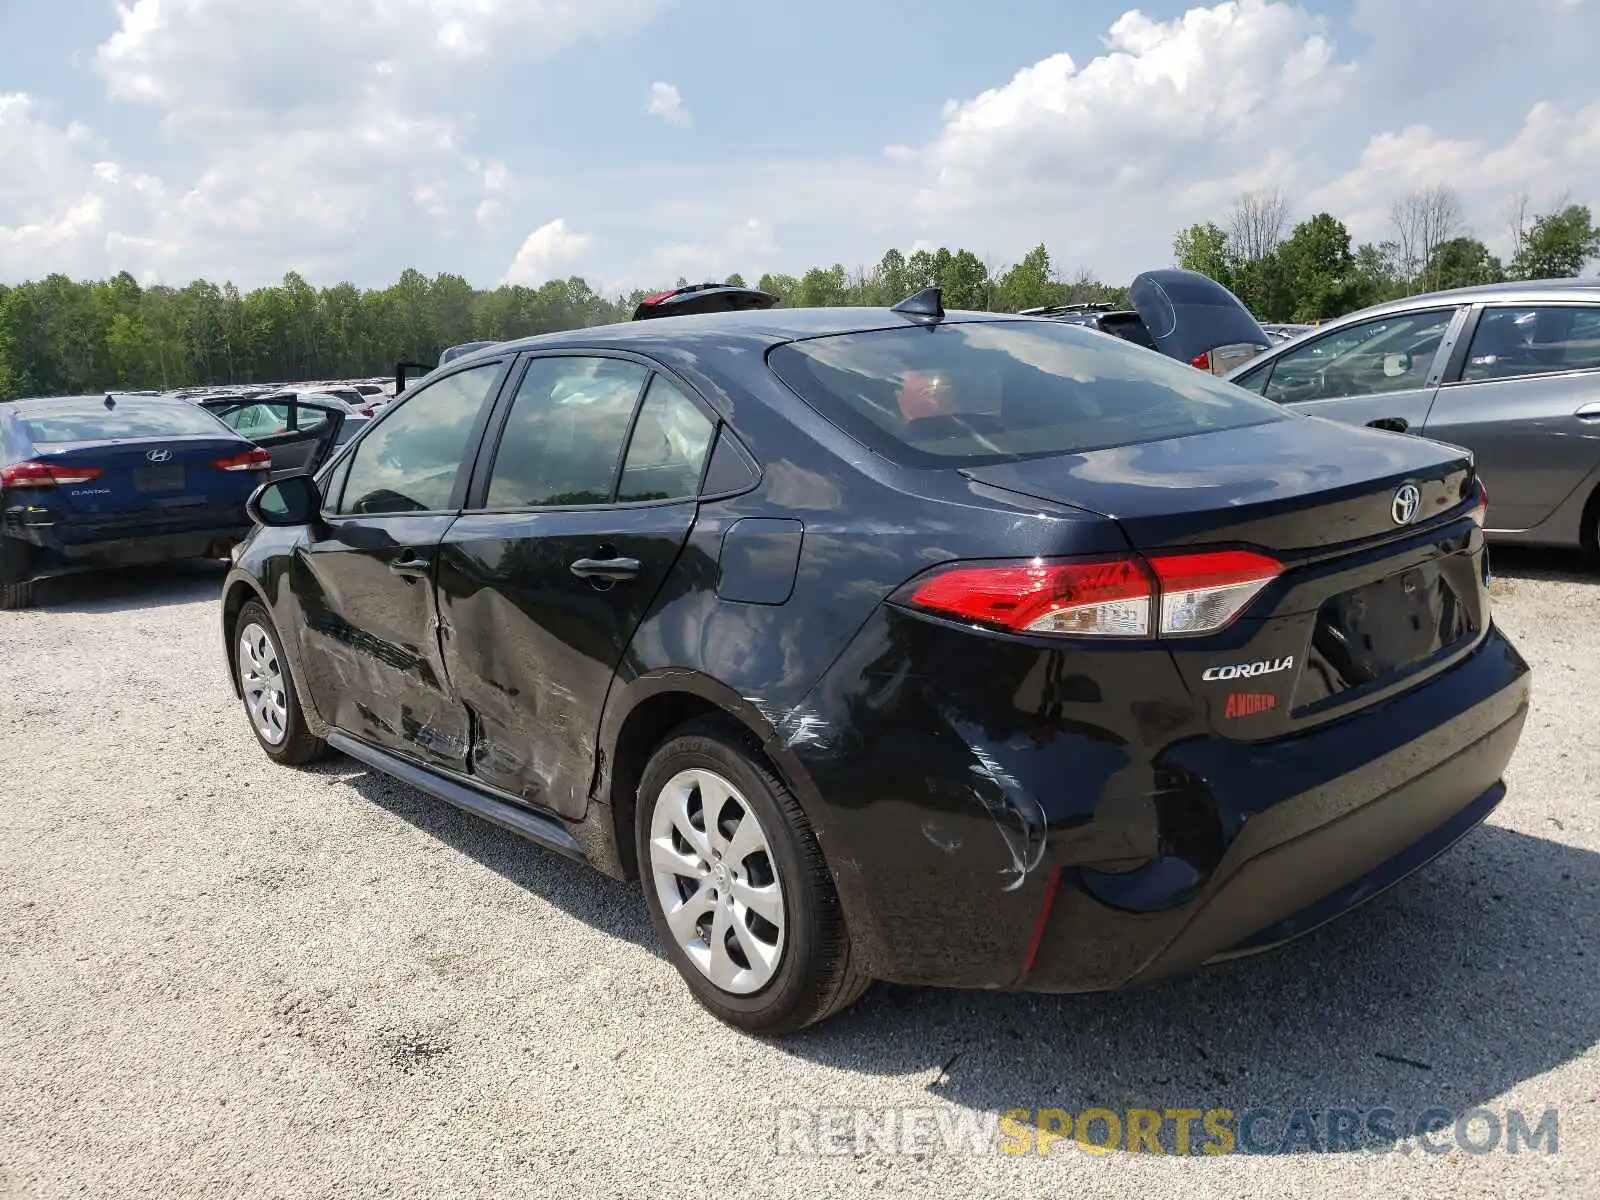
(746, 969)
(271, 701)
(16, 595)
(16, 589)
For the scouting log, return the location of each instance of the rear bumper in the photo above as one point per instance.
(1098, 862)
(54, 555)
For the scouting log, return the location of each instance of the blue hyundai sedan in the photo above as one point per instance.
(114, 481)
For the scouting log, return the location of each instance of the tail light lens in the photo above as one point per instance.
(45, 475)
(1480, 511)
(1094, 598)
(1202, 593)
(253, 459)
(1201, 360)
(1173, 595)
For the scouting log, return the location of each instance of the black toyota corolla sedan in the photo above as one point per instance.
(942, 648)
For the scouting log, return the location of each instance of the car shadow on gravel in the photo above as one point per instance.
(1478, 973)
(578, 889)
(131, 588)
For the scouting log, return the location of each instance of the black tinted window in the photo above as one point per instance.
(563, 437)
(990, 391)
(409, 462)
(668, 447)
(1531, 340)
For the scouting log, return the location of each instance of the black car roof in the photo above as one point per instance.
(761, 328)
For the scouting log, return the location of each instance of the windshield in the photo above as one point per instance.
(969, 393)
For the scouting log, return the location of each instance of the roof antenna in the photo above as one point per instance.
(111, 401)
(925, 307)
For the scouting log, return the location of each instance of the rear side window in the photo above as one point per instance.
(668, 449)
(1532, 340)
(969, 393)
(563, 437)
(128, 419)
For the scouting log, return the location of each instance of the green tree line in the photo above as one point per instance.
(58, 335)
(1313, 271)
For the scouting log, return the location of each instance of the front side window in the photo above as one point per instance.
(668, 449)
(1533, 340)
(1386, 354)
(563, 437)
(410, 459)
(965, 393)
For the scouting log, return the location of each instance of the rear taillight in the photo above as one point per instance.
(1480, 511)
(253, 459)
(1092, 598)
(1202, 593)
(45, 475)
(1201, 360)
(1173, 595)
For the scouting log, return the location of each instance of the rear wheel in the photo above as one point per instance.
(16, 589)
(737, 888)
(270, 699)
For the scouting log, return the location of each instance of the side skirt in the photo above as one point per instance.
(467, 795)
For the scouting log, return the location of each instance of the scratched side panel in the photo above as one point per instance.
(987, 763)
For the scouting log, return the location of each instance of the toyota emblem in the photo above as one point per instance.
(1407, 500)
(158, 455)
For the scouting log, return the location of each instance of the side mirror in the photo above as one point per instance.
(407, 373)
(284, 503)
(1396, 365)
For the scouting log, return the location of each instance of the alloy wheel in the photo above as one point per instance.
(716, 878)
(261, 680)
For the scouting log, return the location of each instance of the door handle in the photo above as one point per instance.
(613, 570)
(1589, 411)
(411, 565)
(1392, 424)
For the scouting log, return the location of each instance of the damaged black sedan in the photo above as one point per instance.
(941, 648)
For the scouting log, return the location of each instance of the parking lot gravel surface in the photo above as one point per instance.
(220, 977)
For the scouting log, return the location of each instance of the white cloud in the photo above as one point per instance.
(665, 102)
(546, 252)
(335, 137)
(321, 132)
(1555, 151)
(748, 247)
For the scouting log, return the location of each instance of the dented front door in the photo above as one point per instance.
(367, 587)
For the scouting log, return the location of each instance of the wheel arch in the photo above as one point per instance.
(654, 706)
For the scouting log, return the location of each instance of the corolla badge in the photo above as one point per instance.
(158, 455)
(1407, 500)
(1250, 670)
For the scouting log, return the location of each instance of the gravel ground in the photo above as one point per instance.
(219, 977)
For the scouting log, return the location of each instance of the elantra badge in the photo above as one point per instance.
(1407, 500)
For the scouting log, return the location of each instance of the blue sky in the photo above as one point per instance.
(634, 141)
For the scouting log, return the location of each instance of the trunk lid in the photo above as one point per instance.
(161, 477)
(1189, 315)
(1294, 487)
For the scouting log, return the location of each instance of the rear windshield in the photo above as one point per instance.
(970, 393)
(57, 426)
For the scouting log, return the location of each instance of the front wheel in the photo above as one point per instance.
(737, 887)
(270, 699)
